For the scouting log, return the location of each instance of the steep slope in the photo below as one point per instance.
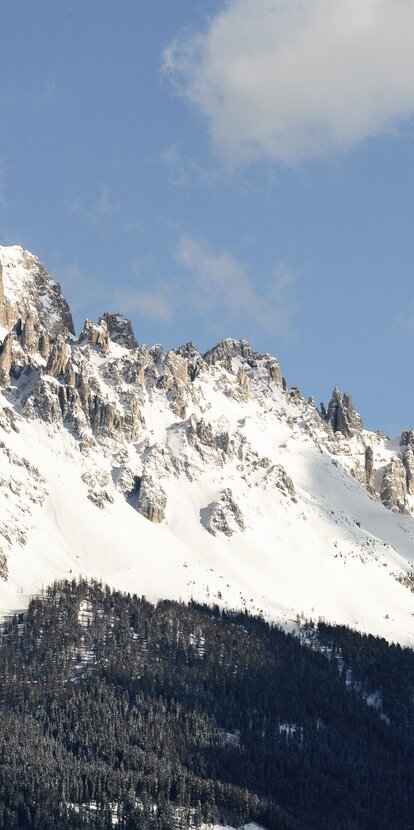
(179, 475)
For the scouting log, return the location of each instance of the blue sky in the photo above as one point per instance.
(214, 169)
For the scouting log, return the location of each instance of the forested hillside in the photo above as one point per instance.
(116, 711)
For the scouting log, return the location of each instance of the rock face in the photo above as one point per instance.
(276, 476)
(175, 380)
(212, 445)
(342, 416)
(408, 461)
(152, 499)
(223, 516)
(369, 468)
(97, 483)
(33, 313)
(226, 350)
(120, 330)
(95, 335)
(394, 488)
(27, 292)
(244, 358)
(407, 438)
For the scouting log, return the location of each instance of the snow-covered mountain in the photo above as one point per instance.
(186, 475)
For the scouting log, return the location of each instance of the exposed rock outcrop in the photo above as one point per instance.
(120, 330)
(294, 394)
(226, 350)
(58, 358)
(210, 443)
(223, 516)
(276, 476)
(195, 362)
(97, 483)
(407, 438)
(369, 468)
(95, 334)
(8, 419)
(175, 380)
(152, 499)
(342, 416)
(6, 358)
(241, 352)
(275, 374)
(408, 461)
(28, 292)
(393, 492)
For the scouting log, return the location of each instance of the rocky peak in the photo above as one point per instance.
(120, 330)
(341, 414)
(193, 357)
(95, 334)
(407, 438)
(226, 350)
(28, 292)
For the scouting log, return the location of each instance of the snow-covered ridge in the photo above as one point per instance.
(186, 475)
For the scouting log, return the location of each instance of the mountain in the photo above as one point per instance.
(184, 475)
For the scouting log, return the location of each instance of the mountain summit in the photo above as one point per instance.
(186, 475)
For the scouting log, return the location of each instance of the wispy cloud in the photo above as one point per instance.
(220, 285)
(148, 297)
(212, 287)
(84, 291)
(98, 213)
(182, 169)
(292, 81)
(154, 304)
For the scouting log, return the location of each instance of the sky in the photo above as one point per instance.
(224, 169)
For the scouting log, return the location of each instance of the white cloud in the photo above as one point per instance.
(291, 80)
(153, 304)
(221, 285)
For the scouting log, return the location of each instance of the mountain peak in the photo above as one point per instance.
(120, 330)
(28, 291)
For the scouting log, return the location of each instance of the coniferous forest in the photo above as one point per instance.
(118, 712)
